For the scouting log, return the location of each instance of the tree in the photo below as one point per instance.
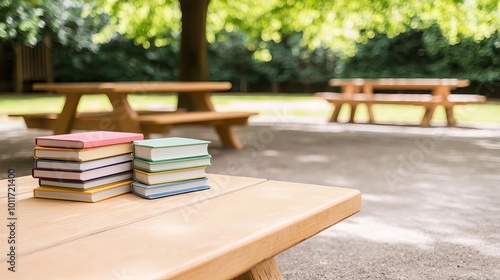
(336, 24)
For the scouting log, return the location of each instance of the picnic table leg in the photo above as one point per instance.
(267, 269)
(429, 112)
(371, 117)
(350, 89)
(450, 116)
(353, 112)
(226, 134)
(125, 118)
(368, 90)
(336, 111)
(65, 120)
(228, 137)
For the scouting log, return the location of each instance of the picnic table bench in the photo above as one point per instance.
(124, 118)
(431, 93)
(232, 230)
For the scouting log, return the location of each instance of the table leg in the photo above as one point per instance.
(368, 90)
(371, 117)
(125, 118)
(429, 112)
(203, 102)
(353, 112)
(450, 117)
(444, 91)
(226, 134)
(65, 119)
(267, 269)
(347, 90)
(336, 112)
(228, 137)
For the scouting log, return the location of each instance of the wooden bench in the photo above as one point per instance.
(361, 91)
(232, 230)
(124, 118)
(150, 122)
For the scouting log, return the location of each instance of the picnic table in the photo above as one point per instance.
(233, 230)
(124, 118)
(430, 94)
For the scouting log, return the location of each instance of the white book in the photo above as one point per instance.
(81, 165)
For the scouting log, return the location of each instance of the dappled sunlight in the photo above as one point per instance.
(376, 230)
(270, 153)
(488, 144)
(313, 158)
(425, 236)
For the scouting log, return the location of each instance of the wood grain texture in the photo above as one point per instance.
(194, 117)
(74, 220)
(64, 121)
(226, 236)
(267, 269)
(131, 87)
(24, 186)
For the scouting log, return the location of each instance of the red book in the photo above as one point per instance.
(87, 139)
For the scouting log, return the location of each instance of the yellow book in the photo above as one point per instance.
(89, 195)
(82, 154)
(151, 178)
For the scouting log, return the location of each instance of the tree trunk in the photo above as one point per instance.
(193, 56)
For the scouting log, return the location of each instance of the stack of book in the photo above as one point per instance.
(168, 166)
(88, 166)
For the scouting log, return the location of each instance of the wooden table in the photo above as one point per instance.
(440, 89)
(124, 118)
(232, 230)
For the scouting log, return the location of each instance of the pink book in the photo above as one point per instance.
(87, 139)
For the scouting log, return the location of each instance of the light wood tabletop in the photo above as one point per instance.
(232, 230)
(138, 87)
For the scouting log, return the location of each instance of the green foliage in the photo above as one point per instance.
(21, 21)
(423, 54)
(333, 24)
(229, 60)
(27, 21)
(119, 60)
(413, 54)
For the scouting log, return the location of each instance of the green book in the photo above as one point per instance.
(171, 164)
(170, 148)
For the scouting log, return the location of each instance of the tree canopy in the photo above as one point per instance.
(26, 21)
(337, 24)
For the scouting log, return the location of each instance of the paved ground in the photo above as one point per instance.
(431, 196)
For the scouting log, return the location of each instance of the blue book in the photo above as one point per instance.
(168, 189)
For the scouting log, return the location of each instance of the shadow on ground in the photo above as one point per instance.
(431, 196)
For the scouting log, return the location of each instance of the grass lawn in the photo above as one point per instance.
(296, 105)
